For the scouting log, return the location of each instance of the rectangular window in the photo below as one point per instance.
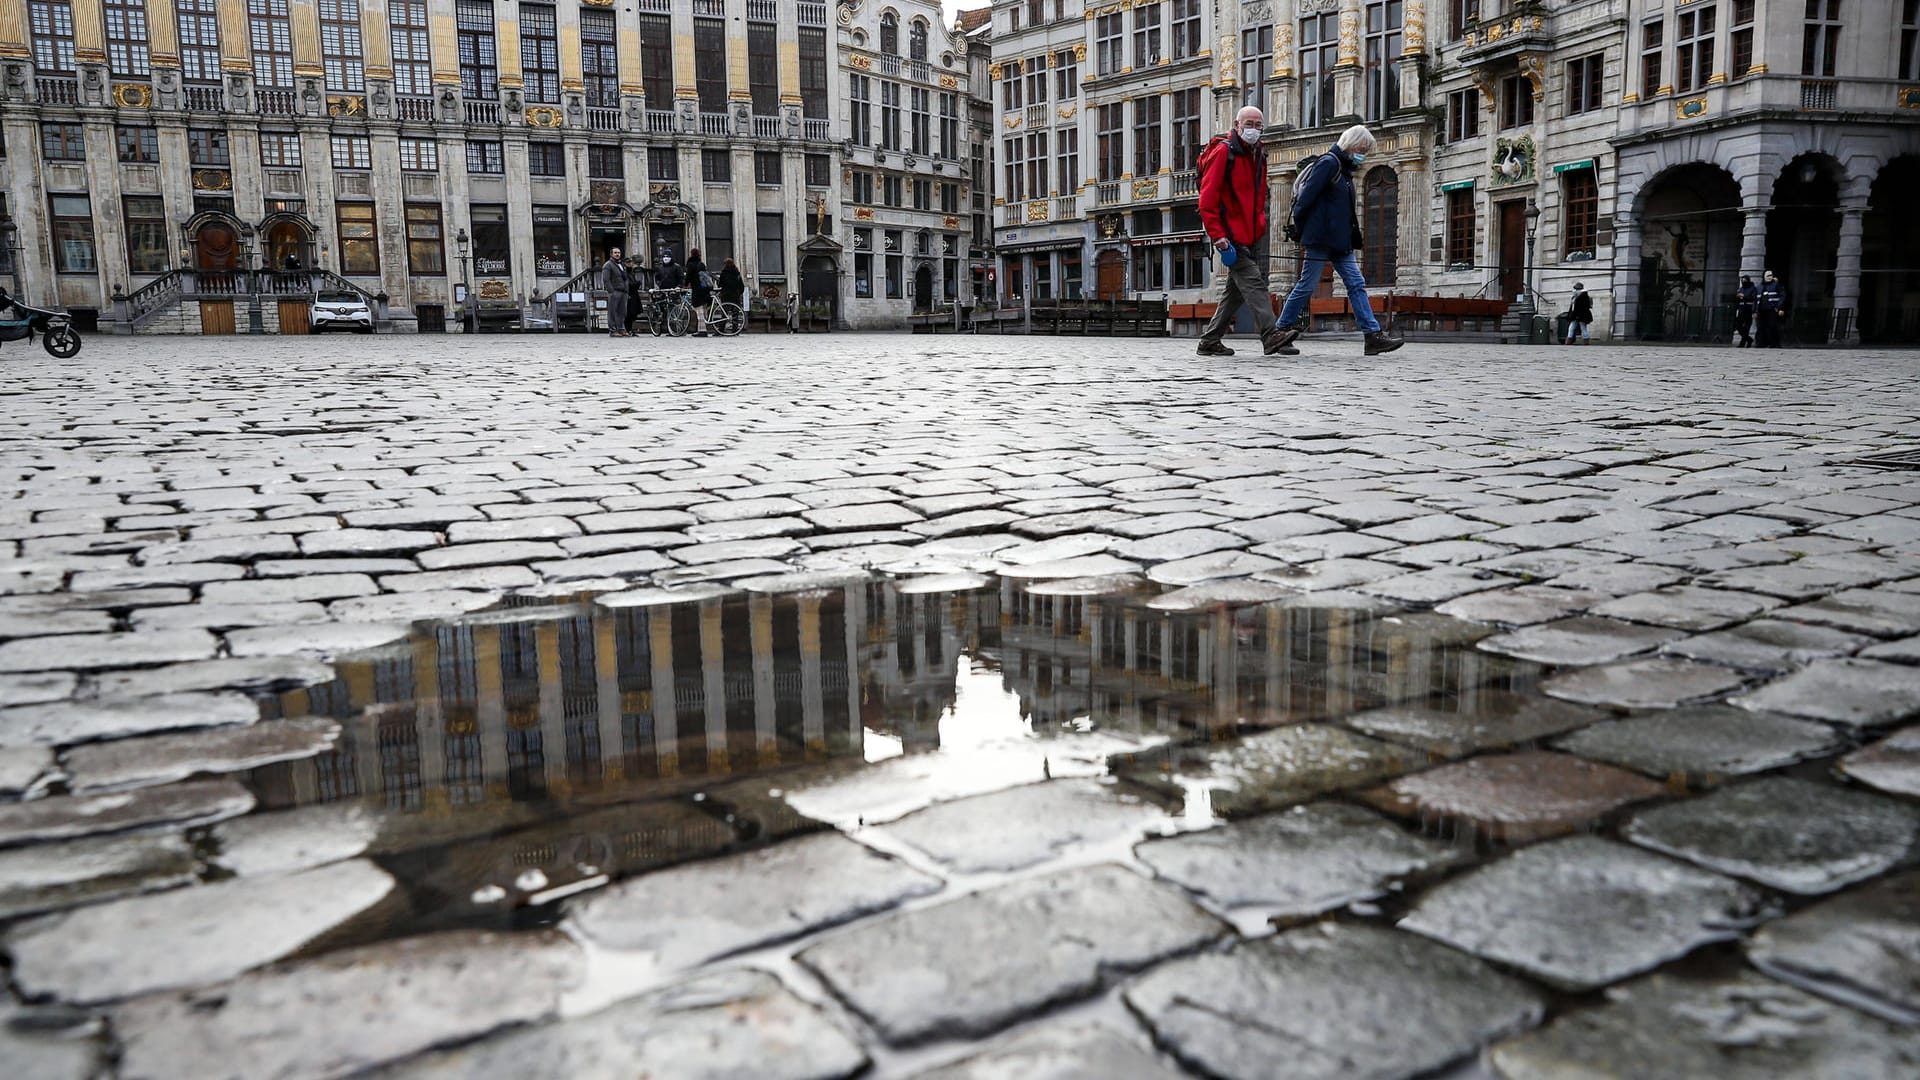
(1256, 63)
(73, 234)
(922, 129)
(551, 246)
(354, 152)
(1652, 40)
(1109, 47)
(1460, 227)
(606, 163)
(63, 142)
(1583, 83)
(198, 24)
(1112, 137)
(710, 64)
(950, 126)
(771, 244)
(923, 189)
(146, 218)
(1148, 223)
(1037, 165)
(1066, 77)
(663, 163)
(208, 146)
(889, 115)
(410, 35)
(813, 73)
(950, 193)
(127, 54)
(599, 59)
(341, 51)
(863, 263)
(426, 250)
(1381, 56)
(819, 170)
(719, 249)
(1146, 36)
(540, 53)
(1319, 51)
(419, 155)
(890, 189)
(1820, 42)
(1015, 90)
(270, 33)
(656, 60)
(1015, 162)
(546, 159)
(1043, 276)
(1146, 135)
(485, 158)
(359, 244)
(1067, 176)
(1580, 204)
(1693, 49)
(280, 148)
(52, 22)
(1516, 102)
(1186, 29)
(479, 58)
(492, 242)
(863, 187)
(1461, 15)
(1036, 79)
(1186, 128)
(860, 91)
(1741, 41)
(766, 168)
(716, 166)
(1463, 115)
(763, 68)
(896, 266)
(137, 145)
(1189, 266)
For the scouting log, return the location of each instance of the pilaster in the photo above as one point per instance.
(1846, 266)
(14, 42)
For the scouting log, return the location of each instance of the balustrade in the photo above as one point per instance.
(599, 119)
(659, 121)
(277, 102)
(52, 90)
(715, 124)
(766, 127)
(817, 129)
(1107, 192)
(1818, 95)
(483, 112)
(810, 13)
(203, 98)
(414, 108)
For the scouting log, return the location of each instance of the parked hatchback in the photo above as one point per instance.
(342, 311)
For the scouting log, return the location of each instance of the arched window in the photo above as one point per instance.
(917, 40)
(1380, 220)
(890, 33)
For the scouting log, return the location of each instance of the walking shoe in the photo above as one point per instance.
(1213, 348)
(1378, 342)
(1280, 340)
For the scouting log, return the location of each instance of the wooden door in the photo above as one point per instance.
(216, 254)
(1513, 248)
(216, 316)
(1111, 279)
(296, 316)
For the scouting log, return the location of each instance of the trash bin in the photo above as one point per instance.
(1560, 324)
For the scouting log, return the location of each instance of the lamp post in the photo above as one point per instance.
(1533, 225)
(462, 294)
(256, 323)
(9, 237)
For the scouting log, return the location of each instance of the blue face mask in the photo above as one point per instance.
(1357, 158)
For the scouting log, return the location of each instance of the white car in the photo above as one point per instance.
(342, 311)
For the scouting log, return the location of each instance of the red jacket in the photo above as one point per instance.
(1233, 191)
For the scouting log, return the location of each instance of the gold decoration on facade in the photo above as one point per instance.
(212, 180)
(1080, 52)
(133, 95)
(1053, 58)
(1067, 111)
(1283, 50)
(1533, 68)
(1413, 29)
(949, 222)
(1012, 121)
(865, 63)
(545, 116)
(948, 82)
(1348, 51)
(993, 69)
(1226, 60)
(1907, 97)
(596, 3)
(1716, 78)
(495, 289)
(347, 105)
(863, 213)
(1037, 210)
(1484, 83)
(1690, 109)
(1146, 189)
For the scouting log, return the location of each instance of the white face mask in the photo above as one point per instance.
(1250, 135)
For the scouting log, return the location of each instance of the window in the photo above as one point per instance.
(1461, 14)
(354, 152)
(1067, 166)
(1820, 44)
(63, 142)
(127, 53)
(550, 241)
(411, 36)
(1186, 128)
(1112, 148)
(359, 245)
(1583, 83)
(1146, 135)
(1036, 77)
(1463, 115)
(199, 28)
(710, 64)
(663, 163)
(1036, 12)
(341, 50)
(1319, 49)
(280, 148)
(819, 170)
(766, 167)
(716, 166)
(138, 145)
(1580, 209)
(1186, 28)
(479, 62)
(950, 192)
(656, 60)
(52, 37)
(1069, 275)
(1148, 223)
(1652, 36)
(1066, 77)
(1460, 227)
(208, 146)
(890, 187)
(1146, 36)
(426, 254)
(1043, 276)
(1013, 88)
(270, 32)
(606, 163)
(863, 263)
(72, 234)
(483, 159)
(950, 126)
(923, 189)
(1381, 56)
(917, 40)
(950, 274)
(719, 226)
(922, 130)
(599, 59)
(813, 73)
(146, 218)
(863, 187)
(1109, 48)
(889, 115)
(1909, 39)
(769, 239)
(546, 159)
(1256, 63)
(860, 91)
(1380, 225)
(763, 68)
(889, 33)
(1742, 38)
(540, 53)
(1150, 272)
(1037, 161)
(1516, 102)
(1015, 162)
(419, 155)
(492, 243)
(896, 266)
(1693, 49)
(1189, 266)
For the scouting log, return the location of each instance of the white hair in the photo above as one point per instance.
(1356, 137)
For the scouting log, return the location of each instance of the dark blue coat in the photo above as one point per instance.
(1325, 207)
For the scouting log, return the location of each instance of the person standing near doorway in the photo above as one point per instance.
(1769, 308)
(1745, 299)
(1580, 315)
(701, 283)
(1233, 209)
(614, 279)
(1328, 228)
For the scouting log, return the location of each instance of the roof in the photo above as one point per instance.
(974, 18)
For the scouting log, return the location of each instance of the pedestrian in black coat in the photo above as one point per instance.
(1770, 307)
(1744, 300)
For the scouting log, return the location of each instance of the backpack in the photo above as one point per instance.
(1301, 172)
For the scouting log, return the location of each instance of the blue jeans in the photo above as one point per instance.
(1347, 265)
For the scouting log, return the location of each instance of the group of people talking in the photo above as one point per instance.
(624, 281)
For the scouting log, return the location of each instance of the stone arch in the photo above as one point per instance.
(287, 235)
(890, 32)
(1889, 287)
(1803, 228)
(1688, 263)
(917, 39)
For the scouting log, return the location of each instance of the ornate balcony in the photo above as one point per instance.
(1522, 29)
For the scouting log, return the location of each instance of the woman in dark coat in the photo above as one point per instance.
(1744, 301)
(699, 282)
(733, 284)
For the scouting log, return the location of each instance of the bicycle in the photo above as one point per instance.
(726, 318)
(669, 311)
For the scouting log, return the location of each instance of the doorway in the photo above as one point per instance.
(287, 245)
(668, 238)
(923, 289)
(216, 317)
(604, 238)
(295, 316)
(216, 254)
(1513, 248)
(1111, 271)
(819, 286)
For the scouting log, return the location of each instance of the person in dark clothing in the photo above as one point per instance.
(667, 273)
(1580, 315)
(1233, 209)
(700, 282)
(1329, 232)
(1769, 308)
(733, 284)
(616, 281)
(1745, 299)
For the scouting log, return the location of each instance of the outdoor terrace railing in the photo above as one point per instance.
(483, 112)
(766, 127)
(271, 102)
(1818, 95)
(713, 8)
(603, 119)
(203, 98)
(414, 108)
(154, 297)
(810, 14)
(715, 124)
(817, 129)
(1185, 183)
(1107, 192)
(54, 90)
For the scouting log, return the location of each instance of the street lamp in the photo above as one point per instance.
(462, 295)
(1533, 225)
(9, 237)
(256, 321)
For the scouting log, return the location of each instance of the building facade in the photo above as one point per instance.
(169, 161)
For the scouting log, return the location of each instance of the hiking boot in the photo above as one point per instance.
(1213, 348)
(1378, 342)
(1279, 341)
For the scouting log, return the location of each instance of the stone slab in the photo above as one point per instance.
(1855, 693)
(160, 759)
(1329, 574)
(1892, 764)
(1211, 567)
(86, 652)
(1513, 798)
(76, 721)
(259, 674)
(1058, 1052)
(22, 766)
(1767, 645)
(289, 590)
(1215, 594)
(321, 640)
(1437, 585)
(226, 616)
(1686, 607)
(1269, 770)
(36, 687)
(297, 839)
(1079, 566)
(1861, 948)
(48, 877)
(1524, 605)
(972, 835)
(1659, 683)
(1484, 720)
(1702, 744)
(1881, 612)
(68, 817)
(1580, 640)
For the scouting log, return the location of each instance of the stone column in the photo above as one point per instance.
(490, 699)
(1413, 38)
(1347, 92)
(632, 87)
(1846, 266)
(306, 43)
(513, 147)
(666, 714)
(813, 714)
(1626, 289)
(430, 720)
(606, 696)
(714, 680)
(389, 211)
(236, 52)
(1283, 93)
(507, 44)
(553, 703)
(766, 739)
(1753, 241)
(110, 231)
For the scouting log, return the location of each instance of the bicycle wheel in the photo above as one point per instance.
(656, 319)
(728, 319)
(677, 319)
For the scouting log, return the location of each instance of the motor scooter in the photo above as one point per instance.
(55, 328)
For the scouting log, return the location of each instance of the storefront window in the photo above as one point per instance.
(550, 247)
(492, 248)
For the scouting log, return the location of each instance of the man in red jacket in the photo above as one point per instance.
(1233, 208)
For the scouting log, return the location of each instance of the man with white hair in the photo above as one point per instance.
(1233, 209)
(1327, 228)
